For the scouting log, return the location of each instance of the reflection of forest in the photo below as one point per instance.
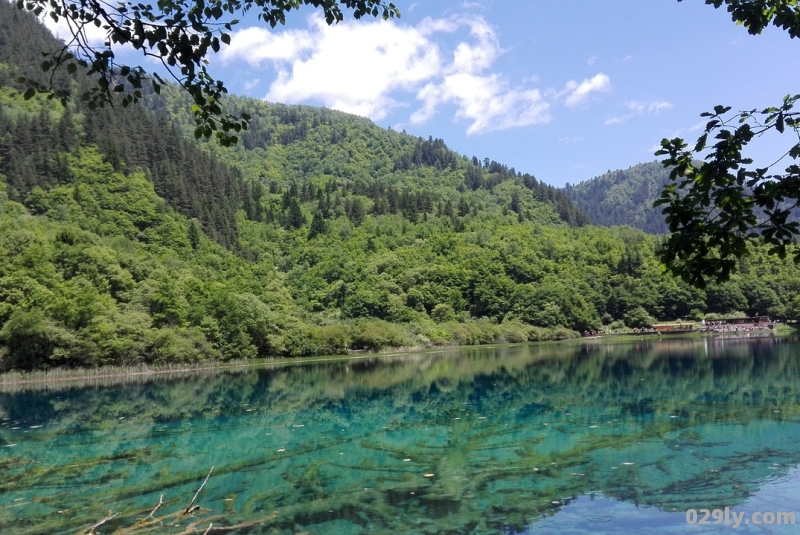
(506, 431)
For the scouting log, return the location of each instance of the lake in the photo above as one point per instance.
(578, 438)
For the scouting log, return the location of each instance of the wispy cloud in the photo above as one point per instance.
(570, 140)
(578, 93)
(638, 108)
(592, 60)
(698, 126)
(372, 68)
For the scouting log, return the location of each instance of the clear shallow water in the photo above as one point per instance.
(582, 438)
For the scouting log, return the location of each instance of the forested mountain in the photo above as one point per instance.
(317, 149)
(624, 197)
(34, 138)
(122, 240)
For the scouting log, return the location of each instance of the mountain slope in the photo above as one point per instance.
(624, 197)
(191, 181)
(304, 144)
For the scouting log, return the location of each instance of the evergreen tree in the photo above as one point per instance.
(318, 226)
(294, 214)
(194, 233)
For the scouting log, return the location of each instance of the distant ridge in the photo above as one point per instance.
(624, 197)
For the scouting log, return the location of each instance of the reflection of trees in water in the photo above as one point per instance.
(505, 431)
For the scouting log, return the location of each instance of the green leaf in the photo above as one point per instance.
(701, 143)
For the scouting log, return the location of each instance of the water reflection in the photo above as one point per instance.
(583, 438)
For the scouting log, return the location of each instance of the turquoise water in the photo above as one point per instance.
(576, 438)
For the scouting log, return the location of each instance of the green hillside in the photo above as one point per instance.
(624, 197)
(122, 240)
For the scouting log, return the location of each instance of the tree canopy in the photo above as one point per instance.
(177, 33)
(719, 199)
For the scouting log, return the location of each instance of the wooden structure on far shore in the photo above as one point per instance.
(674, 328)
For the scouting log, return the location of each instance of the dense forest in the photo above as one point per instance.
(122, 240)
(624, 197)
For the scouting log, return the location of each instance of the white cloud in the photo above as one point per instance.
(352, 68)
(251, 84)
(255, 45)
(371, 68)
(640, 109)
(578, 93)
(476, 57)
(592, 60)
(486, 101)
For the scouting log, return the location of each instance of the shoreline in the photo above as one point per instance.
(62, 375)
(58, 376)
(66, 375)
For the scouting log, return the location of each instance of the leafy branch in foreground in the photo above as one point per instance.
(714, 207)
(177, 33)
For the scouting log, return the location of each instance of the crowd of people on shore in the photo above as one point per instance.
(725, 327)
(715, 326)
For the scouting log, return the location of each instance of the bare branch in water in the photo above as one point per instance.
(157, 507)
(192, 507)
(106, 519)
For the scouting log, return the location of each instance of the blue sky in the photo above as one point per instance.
(565, 90)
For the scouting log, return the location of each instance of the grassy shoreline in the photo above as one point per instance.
(120, 374)
(99, 375)
(56, 376)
